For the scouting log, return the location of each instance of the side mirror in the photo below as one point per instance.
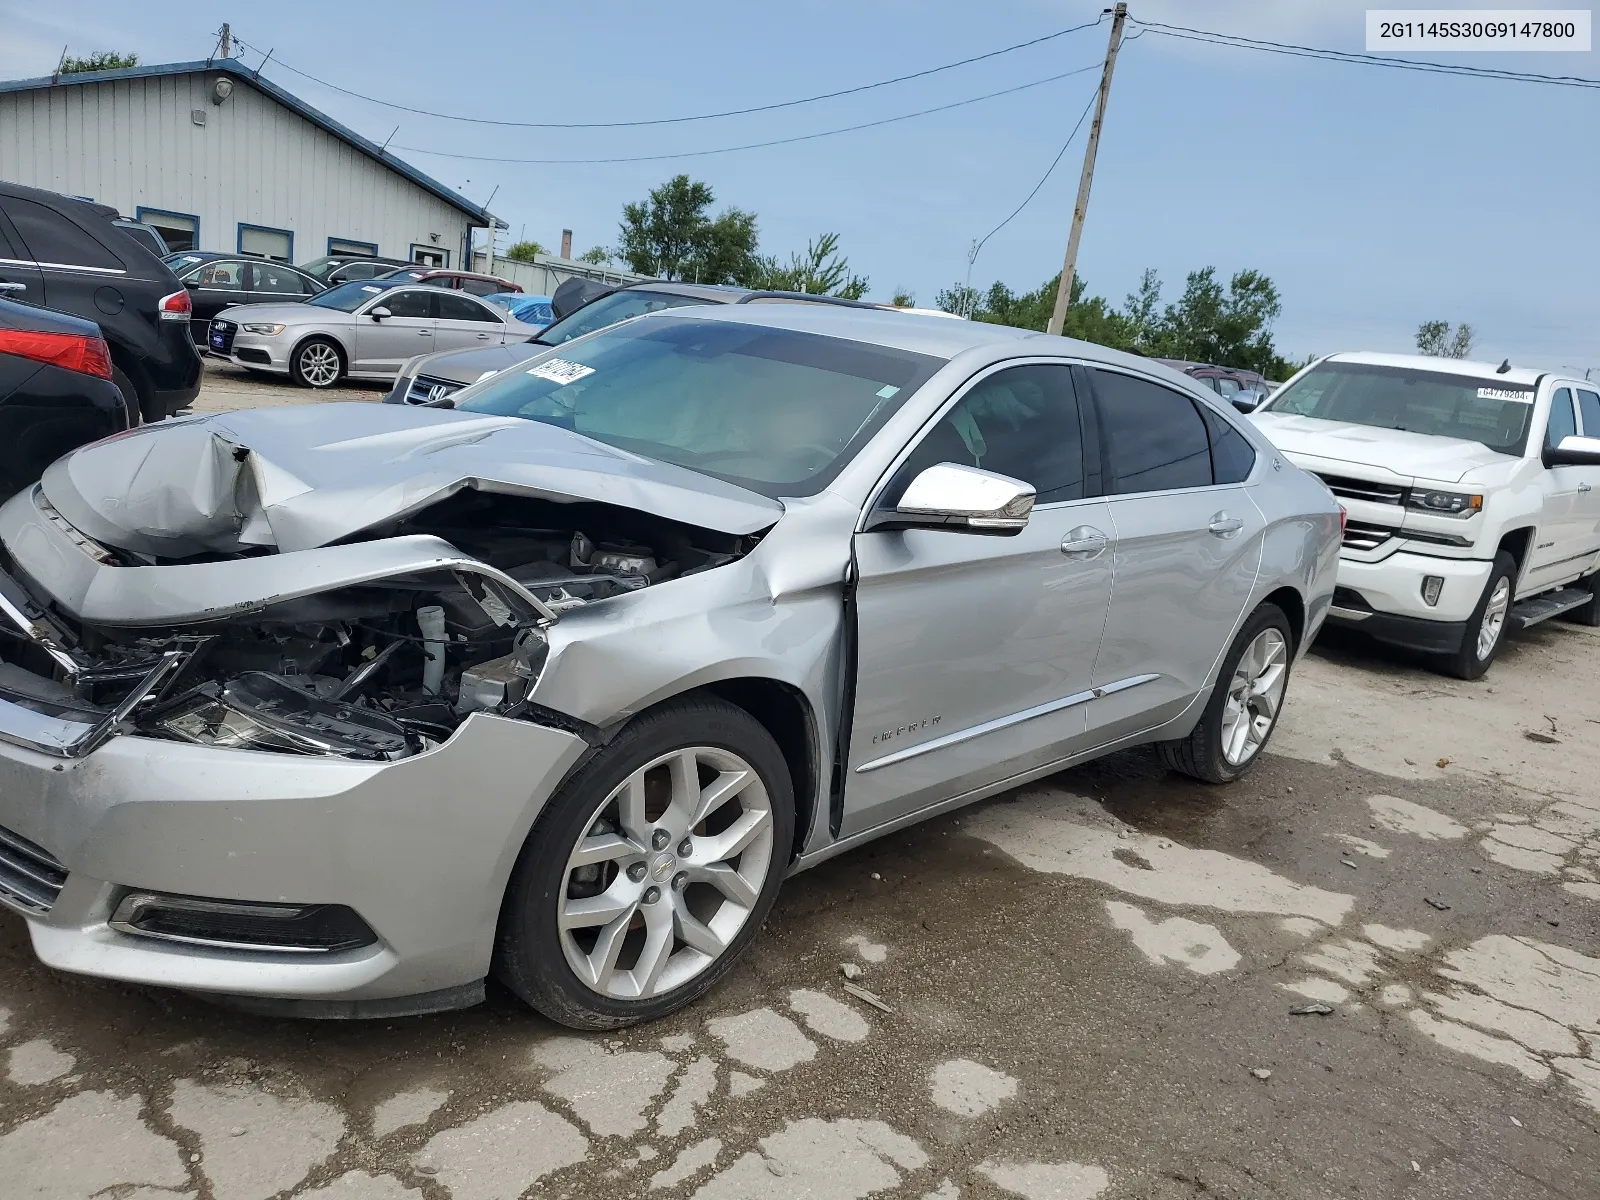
(1573, 452)
(1248, 401)
(192, 284)
(379, 313)
(951, 496)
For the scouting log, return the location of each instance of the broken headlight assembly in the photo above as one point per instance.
(257, 711)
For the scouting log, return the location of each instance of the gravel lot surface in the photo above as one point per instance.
(1091, 989)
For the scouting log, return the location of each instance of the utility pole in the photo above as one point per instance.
(225, 43)
(1058, 317)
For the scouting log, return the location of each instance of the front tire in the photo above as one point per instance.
(607, 920)
(317, 363)
(1488, 624)
(1243, 710)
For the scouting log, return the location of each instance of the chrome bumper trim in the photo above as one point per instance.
(1348, 614)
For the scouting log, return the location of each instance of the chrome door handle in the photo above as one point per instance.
(1225, 526)
(13, 287)
(1584, 487)
(1084, 542)
(424, 333)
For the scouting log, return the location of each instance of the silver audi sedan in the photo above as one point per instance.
(345, 708)
(365, 330)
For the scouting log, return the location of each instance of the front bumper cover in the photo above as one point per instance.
(421, 849)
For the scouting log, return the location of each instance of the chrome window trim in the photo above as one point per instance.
(55, 266)
(998, 723)
(133, 905)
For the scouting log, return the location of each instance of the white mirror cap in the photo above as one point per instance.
(982, 499)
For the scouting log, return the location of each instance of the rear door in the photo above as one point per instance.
(20, 277)
(383, 344)
(73, 265)
(274, 283)
(1560, 537)
(214, 286)
(464, 321)
(1187, 549)
(975, 651)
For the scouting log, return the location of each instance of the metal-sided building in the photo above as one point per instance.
(219, 159)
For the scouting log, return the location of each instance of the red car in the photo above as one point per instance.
(461, 281)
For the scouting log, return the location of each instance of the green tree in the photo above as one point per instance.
(821, 271)
(1435, 338)
(102, 60)
(670, 234)
(597, 256)
(1229, 328)
(525, 251)
(1089, 318)
(958, 298)
(904, 299)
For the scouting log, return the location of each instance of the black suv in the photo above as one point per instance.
(69, 255)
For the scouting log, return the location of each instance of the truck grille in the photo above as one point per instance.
(1358, 535)
(425, 389)
(1361, 489)
(30, 876)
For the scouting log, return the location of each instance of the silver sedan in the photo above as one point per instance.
(344, 709)
(365, 330)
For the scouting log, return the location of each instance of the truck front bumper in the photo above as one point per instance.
(1385, 599)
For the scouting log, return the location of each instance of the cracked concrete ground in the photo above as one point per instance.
(1092, 983)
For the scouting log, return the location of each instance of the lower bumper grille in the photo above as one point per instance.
(30, 876)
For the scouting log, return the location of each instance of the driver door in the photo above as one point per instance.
(975, 651)
(1560, 536)
(383, 344)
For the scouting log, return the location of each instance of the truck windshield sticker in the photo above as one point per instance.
(1494, 393)
(559, 370)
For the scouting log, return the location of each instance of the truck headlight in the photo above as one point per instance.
(264, 330)
(1444, 504)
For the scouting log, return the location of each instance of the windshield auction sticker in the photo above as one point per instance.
(1520, 395)
(560, 370)
(1454, 29)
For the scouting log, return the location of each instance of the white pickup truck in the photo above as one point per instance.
(1472, 495)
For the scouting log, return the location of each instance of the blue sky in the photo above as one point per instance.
(1375, 199)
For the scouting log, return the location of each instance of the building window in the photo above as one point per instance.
(430, 256)
(265, 242)
(180, 231)
(348, 246)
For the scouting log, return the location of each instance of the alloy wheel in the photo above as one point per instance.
(319, 364)
(1255, 694)
(1494, 618)
(666, 873)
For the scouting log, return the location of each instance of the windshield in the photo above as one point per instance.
(1493, 412)
(772, 410)
(611, 308)
(347, 297)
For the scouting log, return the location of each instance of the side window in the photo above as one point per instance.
(480, 287)
(453, 307)
(1154, 436)
(218, 273)
(264, 277)
(1021, 422)
(1232, 455)
(1589, 409)
(52, 239)
(409, 302)
(1562, 423)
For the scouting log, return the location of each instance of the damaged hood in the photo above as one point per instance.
(303, 477)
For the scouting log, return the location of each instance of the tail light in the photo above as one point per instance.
(71, 351)
(176, 307)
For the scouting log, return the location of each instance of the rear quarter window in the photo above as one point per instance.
(54, 240)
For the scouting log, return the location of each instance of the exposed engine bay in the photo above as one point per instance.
(378, 670)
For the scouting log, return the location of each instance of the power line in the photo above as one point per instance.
(1350, 56)
(804, 137)
(733, 112)
(1054, 163)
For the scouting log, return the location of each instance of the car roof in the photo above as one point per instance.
(1488, 372)
(936, 336)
